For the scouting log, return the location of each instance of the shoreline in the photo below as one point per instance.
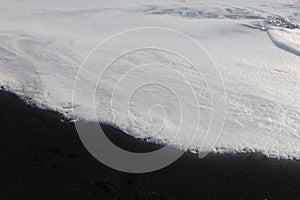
(43, 158)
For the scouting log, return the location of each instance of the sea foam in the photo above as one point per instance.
(43, 44)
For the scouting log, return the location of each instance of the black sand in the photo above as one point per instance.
(43, 158)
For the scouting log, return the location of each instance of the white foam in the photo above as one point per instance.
(288, 40)
(42, 45)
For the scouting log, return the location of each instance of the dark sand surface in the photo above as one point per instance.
(42, 157)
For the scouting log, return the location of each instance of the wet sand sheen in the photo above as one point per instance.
(43, 158)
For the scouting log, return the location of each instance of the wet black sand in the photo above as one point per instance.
(43, 158)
